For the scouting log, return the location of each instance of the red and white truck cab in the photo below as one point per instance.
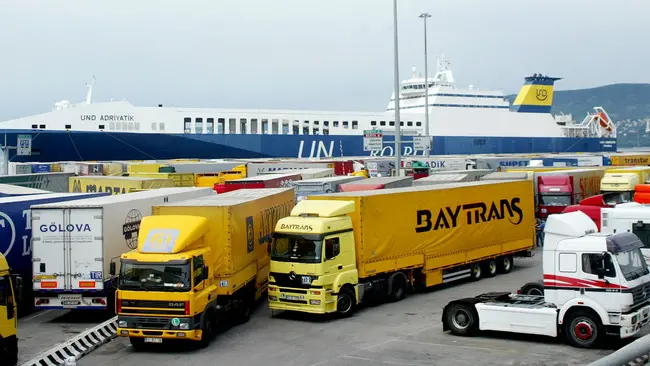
(594, 284)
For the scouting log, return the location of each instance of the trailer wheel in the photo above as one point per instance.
(582, 329)
(345, 302)
(462, 320)
(476, 272)
(490, 266)
(398, 287)
(533, 289)
(9, 350)
(505, 264)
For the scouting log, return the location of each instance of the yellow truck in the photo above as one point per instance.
(178, 179)
(621, 181)
(210, 179)
(199, 264)
(338, 250)
(116, 185)
(9, 294)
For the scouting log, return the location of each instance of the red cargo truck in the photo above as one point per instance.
(559, 189)
(260, 181)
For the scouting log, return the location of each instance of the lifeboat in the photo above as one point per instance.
(604, 122)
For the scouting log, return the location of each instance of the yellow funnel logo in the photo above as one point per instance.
(536, 95)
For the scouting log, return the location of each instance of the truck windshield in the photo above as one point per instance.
(155, 276)
(554, 200)
(294, 248)
(632, 264)
(613, 198)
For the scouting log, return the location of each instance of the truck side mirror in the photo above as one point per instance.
(205, 272)
(112, 268)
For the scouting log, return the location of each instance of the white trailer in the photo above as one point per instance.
(309, 173)
(77, 245)
(441, 178)
(321, 185)
(595, 284)
(629, 217)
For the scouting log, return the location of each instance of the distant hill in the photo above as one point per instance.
(627, 104)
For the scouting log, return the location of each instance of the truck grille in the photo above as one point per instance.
(640, 295)
(152, 323)
(152, 307)
(284, 280)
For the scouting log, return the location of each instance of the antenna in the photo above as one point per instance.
(89, 94)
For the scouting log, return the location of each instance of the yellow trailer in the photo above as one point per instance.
(629, 159)
(337, 250)
(179, 179)
(199, 264)
(115, 185)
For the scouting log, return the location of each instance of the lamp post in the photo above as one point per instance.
(398, 163)
(424, 16)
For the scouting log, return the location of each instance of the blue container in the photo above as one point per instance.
(41, 168)
(16, 234)
(559, 162)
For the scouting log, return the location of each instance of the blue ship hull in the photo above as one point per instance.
(63, 145)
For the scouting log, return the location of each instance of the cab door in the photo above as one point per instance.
(599, 285)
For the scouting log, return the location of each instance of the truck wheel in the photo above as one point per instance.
(207, 330)
(476, 273)
(244, 312)
(345, 302)
(582, 329)
(137, 343)
(505, 264)
(490, 268)
(462, 320)
(9, 350)
(398, 287)
(533, 289)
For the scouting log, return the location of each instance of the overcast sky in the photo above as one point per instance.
(303, 54)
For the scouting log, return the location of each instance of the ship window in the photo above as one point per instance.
(232, 125)
(42, 126)
(130, 126)
(161, 126)
(326, 131)
(221, 125)
(285, 126)
(418, 124)
(373, 123)
(265, 126)
(101, 127)
(326, 123)
(153, 126)
(382, 123)
(137, 126)
(34, 126)
(305, 130)
(242, 126)
(198, 125)
(345, 124)
(355, 125)
(335, 123)
(67, 127)
(209, 127)
(401, 123)
(111, 125)
(315, 123)
(254, 125)
(274, 126)
(316, 130)
(409, 123)
(391, 123)
(295, 130)
(188, 124)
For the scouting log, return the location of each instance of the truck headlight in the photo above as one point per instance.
(185, 326)
(122, 324)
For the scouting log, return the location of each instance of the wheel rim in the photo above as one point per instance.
(506, 263)
(584, 330)
(535, 291)
(345, 303)
(461, 319)
(492, 267)
(477, 271)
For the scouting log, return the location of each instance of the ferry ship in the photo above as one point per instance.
(462, 120)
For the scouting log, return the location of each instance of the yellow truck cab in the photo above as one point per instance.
(210, 179)
(9, 291)
(200, 264)
(335, 251)
(620, 184)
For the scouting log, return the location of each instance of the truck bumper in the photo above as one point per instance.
(129, 326)
(80, 303)
(632, 323)
(315, 301)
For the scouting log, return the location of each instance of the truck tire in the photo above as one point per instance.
(9, 350)
(398, 287)
(137, 343)
(345, 302)
(476, 272)
(462, 320)
(490, 268)
(208, 330)
(533, 289)
(505, 264)
(244, 311)
(582, 329)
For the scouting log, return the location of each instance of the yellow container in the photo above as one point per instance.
(240, 228)
(55, 168)
(115, 185)
(434, 227)
(111, 169)
(179, 179)
(630, 160)
(144, 168)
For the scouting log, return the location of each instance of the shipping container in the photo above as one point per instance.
(8, 190)
(310, 173)
(472, 174)
(507, 176)
(179, 179)
(441, 179)
(442, 163)
(116, 185)
(259, 181)
(76, 242)
(144, 167)
(16, 234)
(629, 159)
(321, 185)
(394, 241)
(52, 182)
(377, 183)
(204, 167)
(255, 169)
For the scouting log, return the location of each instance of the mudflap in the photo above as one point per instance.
(466, 301)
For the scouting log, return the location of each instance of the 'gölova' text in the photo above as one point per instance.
(475, 213)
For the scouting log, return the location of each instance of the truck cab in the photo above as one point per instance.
(9, 292)
(594, 284)
(621, 184)
(555, 193)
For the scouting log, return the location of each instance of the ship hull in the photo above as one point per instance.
(75, 146)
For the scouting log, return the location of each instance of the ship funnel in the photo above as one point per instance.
(536, 95)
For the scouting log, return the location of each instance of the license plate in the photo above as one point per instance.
(70, 300)
(153, 340)
(289, 297)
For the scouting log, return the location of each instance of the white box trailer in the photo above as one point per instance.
(326, 185)
(309, 173)
(629, 217)
(472, 174)
(441, 178)
(77, 245)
